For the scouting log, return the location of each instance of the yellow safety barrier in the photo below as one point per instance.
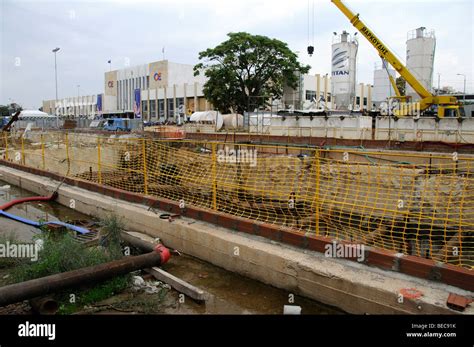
(414, 203)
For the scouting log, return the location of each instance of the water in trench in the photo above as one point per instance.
(230, 293)
(36, 211)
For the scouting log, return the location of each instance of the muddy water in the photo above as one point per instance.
(232, 293)
(36, 211)
(229, 293)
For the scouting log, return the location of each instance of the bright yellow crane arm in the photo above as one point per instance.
(384, 52)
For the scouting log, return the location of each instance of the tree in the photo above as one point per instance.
(247, 70)
(401, 85)
(4, 111)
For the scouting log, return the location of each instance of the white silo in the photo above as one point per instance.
(421, 45)
(382, 87)
(343, 81)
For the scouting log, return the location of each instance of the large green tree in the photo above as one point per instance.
(246, 71)
(4, 111)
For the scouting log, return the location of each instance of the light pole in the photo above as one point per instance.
(78, 103)
(56, 79)
(464, 96)
(439, 83)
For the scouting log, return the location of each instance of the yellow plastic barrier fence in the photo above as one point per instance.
(414, 203)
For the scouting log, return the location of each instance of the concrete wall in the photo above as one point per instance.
(183, 73)
(348, 127)
(425, 129)
(349, 285)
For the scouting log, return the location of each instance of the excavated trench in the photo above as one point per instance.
(230, 293)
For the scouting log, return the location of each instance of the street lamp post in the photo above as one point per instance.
(78, 103)
(56, 79)
(439, 83)
(464, 96)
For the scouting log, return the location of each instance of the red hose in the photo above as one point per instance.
(31, 198)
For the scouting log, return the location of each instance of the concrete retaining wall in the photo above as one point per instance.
(425, 129)
(349, 285)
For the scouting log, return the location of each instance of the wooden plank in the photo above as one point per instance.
(178, 284)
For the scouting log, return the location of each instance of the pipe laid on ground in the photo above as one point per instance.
(27, 221)
(137, 242)
(43, 286)
(44, 306)
(9, 204)
(23, 220)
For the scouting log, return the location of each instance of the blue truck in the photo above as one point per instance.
(117, 124)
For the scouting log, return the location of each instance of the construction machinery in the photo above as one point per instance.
(440, 105)
(8, 122)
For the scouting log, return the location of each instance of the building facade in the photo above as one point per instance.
(74, 107)
(165, 90)
(158, 91)
(314, 92)
(168, 91)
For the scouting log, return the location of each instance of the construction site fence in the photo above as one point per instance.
(414, 203)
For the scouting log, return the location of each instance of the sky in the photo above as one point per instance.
(89, 33)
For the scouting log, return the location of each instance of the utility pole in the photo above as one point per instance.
(56, 79)
(56, 70)
(464, 96)
(439, 84)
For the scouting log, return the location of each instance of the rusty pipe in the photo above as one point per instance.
(45, 306)
(43, 286)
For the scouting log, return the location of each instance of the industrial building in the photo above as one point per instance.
(85, 105)
(164, 89)
(316, 92)
(167, 89)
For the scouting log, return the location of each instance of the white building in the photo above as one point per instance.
(78, 106)
(166, 90)
(314, 92)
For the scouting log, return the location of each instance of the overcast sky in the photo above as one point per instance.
(90, 33)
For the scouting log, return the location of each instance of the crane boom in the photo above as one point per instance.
(384, 52)
(445, 103)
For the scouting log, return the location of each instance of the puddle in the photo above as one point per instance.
(232, 293)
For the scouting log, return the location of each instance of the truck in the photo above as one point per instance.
(117, 124)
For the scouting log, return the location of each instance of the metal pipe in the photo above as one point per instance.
(137, 242)
(43, 286)
(44, 306)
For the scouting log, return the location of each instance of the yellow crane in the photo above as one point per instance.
(448, 106)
